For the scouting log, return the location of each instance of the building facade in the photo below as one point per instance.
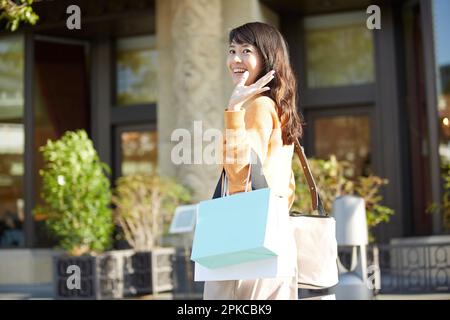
(138, 70)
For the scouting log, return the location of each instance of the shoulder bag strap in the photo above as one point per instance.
(315, 197)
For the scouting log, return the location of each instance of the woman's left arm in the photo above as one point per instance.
(246, 129)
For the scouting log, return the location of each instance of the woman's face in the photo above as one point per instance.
(244, 57)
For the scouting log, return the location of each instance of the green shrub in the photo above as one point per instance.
(330, 179)
(144, 207)
(76, 194)
(333, 180)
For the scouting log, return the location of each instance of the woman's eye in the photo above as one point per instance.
(247, 51)
(231, 51)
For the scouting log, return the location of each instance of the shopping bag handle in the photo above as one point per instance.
(259, 180)
(255, 173)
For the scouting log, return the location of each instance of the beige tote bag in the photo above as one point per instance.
(315, 237)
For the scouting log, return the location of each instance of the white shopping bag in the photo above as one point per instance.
(281, 266)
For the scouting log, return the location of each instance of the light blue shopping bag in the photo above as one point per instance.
(240, 228)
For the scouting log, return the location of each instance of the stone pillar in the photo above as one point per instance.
(191, 82)
(194, 85)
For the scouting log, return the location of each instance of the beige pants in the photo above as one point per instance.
(259, 289)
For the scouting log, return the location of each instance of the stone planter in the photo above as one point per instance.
(185, 286)
(115, 274)
(149, 272)
(101, 276)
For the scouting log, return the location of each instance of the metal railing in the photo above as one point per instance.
(403, 269)
(412, 268)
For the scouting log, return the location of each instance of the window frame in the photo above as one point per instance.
(313, 114)
(113, 64)
(385, 97)
(341, 100)
(303, 79)
(117, 147)
(27, 118)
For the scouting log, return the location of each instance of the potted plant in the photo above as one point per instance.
(334, 179)
(76, 206)
(144, 206)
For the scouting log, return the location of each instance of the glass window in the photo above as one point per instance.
(58, 105)
(442, 45)
(346, 137)
(139, 151)
(12, 142)
(136, 70)
(339, 50)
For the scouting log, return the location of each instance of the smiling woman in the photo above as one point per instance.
(261, 116)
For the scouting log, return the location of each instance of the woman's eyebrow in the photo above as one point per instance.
(242, 45)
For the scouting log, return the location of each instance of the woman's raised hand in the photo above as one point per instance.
(242, 93)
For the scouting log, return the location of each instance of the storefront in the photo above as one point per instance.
(139, 69)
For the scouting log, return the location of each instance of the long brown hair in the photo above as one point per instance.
(283, 88)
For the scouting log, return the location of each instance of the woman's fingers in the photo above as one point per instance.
(242, 93)
(265, 79)
(243, 79)
(263, 82)
(263, 89)
(260, 85)
(258, 91)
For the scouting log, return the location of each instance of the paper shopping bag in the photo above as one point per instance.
(236, 229)
(281, 266)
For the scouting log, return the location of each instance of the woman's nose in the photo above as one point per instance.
(237, 58)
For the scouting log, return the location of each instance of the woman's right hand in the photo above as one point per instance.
(242, 93)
